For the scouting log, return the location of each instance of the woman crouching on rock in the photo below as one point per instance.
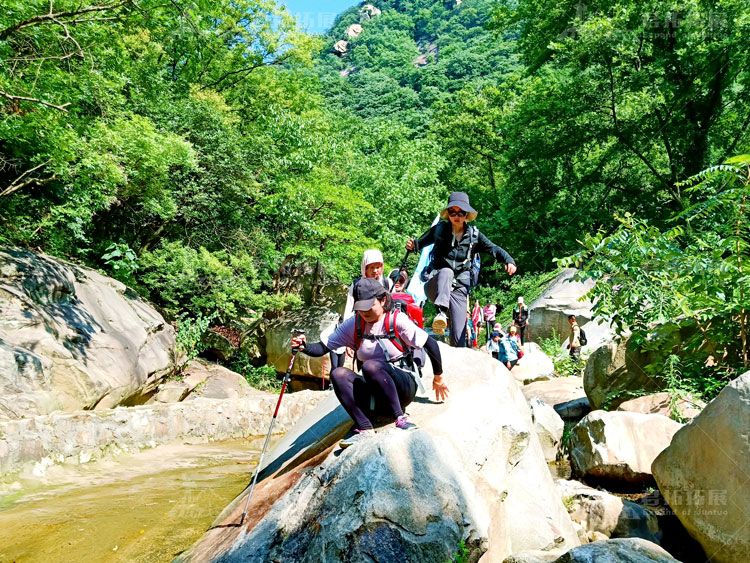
(385, 387)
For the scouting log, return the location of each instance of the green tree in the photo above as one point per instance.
(683, 291)
(619, 102)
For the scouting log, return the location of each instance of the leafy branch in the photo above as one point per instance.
(56, 17)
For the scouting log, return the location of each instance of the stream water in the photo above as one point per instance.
(144, 507)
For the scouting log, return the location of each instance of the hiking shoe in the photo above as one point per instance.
(403, 423)
(358, 436)
(440, 323)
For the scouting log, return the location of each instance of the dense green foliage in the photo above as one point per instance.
(682, 292)
(619, 103)
(186, 150)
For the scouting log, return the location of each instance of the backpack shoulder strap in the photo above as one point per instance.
(359, 329)
(392, 331)
(473, 237)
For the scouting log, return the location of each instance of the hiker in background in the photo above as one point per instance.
(477, 319)
(521, 318)
(449, 274)
(513, 333)
(400, 280)
(372, 267)
(509, 350)
(385, 386)
(489, 318)
(574, 344)
(493, 343)
(471, 331)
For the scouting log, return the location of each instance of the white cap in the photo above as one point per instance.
(372, 256)
(520, 299)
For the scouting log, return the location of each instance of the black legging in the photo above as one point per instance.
(392, 387)
(337, 360)
(521, 333)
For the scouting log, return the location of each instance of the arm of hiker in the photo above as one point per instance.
(425, 240)
(315, 350)
(433, 351)
(487, 246)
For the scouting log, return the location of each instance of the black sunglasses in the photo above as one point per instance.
(456, 213)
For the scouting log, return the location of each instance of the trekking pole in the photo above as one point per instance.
(402, 268)
(403, 262)
(287, 379)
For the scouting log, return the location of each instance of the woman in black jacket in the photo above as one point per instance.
(456, 244)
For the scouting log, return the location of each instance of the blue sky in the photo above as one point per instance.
(316, 16)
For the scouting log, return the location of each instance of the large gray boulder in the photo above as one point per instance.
(367, 12)
(473, 471)
(548, 426)
(341, 47)
(620, 550)
(353, 31)
(598, 513)
(314, 321)
(550, 311)
(71, 338)
(217, 346)
(534, 366)
(704, 474)
(220, 383)
(564, 394)
(666, 405)
(615, 372)
(563, 297)
(620, 446)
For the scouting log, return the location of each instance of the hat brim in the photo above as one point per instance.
(364, 304)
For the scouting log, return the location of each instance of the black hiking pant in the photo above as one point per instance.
(391, 388)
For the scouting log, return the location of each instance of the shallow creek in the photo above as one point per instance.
(144, 507)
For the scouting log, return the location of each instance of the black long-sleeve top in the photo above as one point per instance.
(453, 254)
(318, 349)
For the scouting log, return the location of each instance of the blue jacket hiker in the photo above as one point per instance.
(509, 350)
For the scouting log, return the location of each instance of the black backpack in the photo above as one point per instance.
(582, 338)
(472, 260)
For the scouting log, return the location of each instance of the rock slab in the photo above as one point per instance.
(474, 471)
(704, 474)
(565, 394)
(598, 512)
(621, 550)
(314, 320)
(549, 427)
(534, 366)
(615, 373)
(71, 338)
(665, 405)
